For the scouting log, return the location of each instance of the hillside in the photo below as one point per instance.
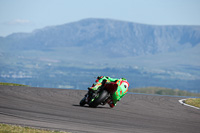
(72, 54)
(117, 37)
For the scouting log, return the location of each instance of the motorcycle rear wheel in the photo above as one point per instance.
(103, 95)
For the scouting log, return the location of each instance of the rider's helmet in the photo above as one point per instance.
(125, 83)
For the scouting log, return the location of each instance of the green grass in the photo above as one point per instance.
(163, 91)
(193, 101)
(12, 84)
(6, 128)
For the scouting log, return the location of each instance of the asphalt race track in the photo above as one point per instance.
(59, 109)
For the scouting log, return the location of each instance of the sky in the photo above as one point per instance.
(28, 15)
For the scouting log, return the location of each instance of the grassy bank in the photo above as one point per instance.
(5, 128)
(164, 91)
(193, 101)
(12, 84)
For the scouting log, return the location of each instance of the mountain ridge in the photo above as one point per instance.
(135, 39)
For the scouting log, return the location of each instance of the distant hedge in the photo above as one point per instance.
(163, 91)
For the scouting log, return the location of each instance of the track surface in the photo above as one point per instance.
(59, 109)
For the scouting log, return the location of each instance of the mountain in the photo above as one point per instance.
(114, 37)
(70, 55)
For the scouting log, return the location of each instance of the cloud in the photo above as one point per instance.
(19, 22)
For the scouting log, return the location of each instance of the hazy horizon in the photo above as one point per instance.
(26, 16)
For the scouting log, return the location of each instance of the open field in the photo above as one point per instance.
(164, 91)
(12, 84)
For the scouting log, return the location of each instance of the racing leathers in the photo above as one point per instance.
(119, 93)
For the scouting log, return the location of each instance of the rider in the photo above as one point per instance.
(120, 92)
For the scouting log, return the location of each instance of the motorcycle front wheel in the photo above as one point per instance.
(82, 102)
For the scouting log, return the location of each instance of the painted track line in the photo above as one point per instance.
(183, 103)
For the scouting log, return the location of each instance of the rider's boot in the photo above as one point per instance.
(110, 102)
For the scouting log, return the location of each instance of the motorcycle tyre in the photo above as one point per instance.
(82, 102)
(103, 95)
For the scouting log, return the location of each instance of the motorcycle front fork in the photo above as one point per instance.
(88, 97)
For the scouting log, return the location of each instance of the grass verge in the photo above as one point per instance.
(6, 128)
(193, 101)
(12, 84)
